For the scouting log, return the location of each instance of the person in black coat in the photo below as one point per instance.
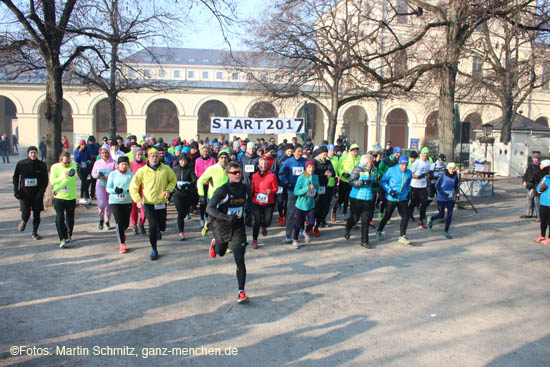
(30, 180)
(185, 193)
(530, 181)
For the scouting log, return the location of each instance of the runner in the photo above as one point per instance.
(542, 189)
(84, 158)
(249, 164)
(282, 190)
(30, 180)
(419, 186)
(118, 187)
(345, 164)
(157, 181)
(263, 190)
(289, 172)
(383, 167)
(324, 171)
(397, 185)
(138, 213)
(447, 189)
(100, 171)
(363, 183)
(226, 208)
(436, 170)
(306, 192)
(201, 165)
(186, 190)
(63, 181)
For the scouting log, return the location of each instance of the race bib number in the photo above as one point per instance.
(262, 198)
(449, 194)
(89, 177)
(120, 197)
(279, 190)
(238, 211)
(83, 165)
(311, 193)
(160, 206)
(322, 190)
(31, 182)
(249, 168)
(181, 183)
(297, 171)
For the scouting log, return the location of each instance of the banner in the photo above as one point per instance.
(263, 126)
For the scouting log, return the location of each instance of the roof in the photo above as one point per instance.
(519, 123)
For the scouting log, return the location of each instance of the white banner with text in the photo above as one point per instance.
(263, 126)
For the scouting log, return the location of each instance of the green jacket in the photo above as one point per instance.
(63, 186)
(332, 180)
(345, 165)
(304, 201)
(384, 166)
(215, 176)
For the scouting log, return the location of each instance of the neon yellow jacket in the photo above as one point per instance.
(154, 182)
(63, 186)
(346, 164)
(215, 176)
(332, 180)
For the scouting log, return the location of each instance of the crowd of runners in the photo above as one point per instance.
(232, 185)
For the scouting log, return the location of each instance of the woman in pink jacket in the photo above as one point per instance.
(101, 170)
(201, 164)
(138, 162)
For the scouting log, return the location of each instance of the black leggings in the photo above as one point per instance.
(64, 228)
(282, 200)
(322, 206)
(157, 222)
(182, 206)
(84, 184)
(403, 212)
(26, 206)
(121, 212)
(238, 247)
(441, 205)
(343, 194)
(263, 215)
(301, 217)
(202, 206)
(361, 209)
(544, 219)
(382, 199)
(419, 197)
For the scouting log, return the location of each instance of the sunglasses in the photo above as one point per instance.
(235, 172)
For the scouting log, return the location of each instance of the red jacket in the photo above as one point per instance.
(260, 184)
(270, 161)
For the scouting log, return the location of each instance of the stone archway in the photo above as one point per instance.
(543, 121)
(474, 119)
(397, 128)
(209, 109)
(430, 132)
(66, 124)
(102, 118)
(162, 120)
(356, 128)
(315, 116)
(8, 113)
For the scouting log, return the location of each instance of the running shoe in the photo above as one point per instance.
(366, 245)
(123, 249)
(288, 241)
(307, 238)
(22, 226)
(100, 225)
(403, 240)
(154, 255)
(295, 244)
(284, 220)
(242, 297)
(63, 243)
(546, 241)
(255, 244)
(422, 225)
(142, 229)
(159, 235)
(83, 201)
(107, 226)
(378, 236)
(205, 230)
(380, 216)
(181, 237)
(446, 234)
(371, 224)
(280, 221)
(212, 252)
(333, 217)
(316, 232)
(229, 251)
(324, 224)
(540, 239)
(346, 235)
(188, 217)
(264, 231)
(68, 239)
(89, 201)
(36, 236)
(430, 224)
(136, 230)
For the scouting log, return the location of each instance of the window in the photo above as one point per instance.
(190, 74)
(205, 74)
(191, 60)
(206, 61)
(131, 73)
(235, 76)
(219, 75)
(402, 8)
(477, 67)
(147, 73)
(400, 62)
(264, 76)
(162, 73)
(176, 73)
(249, 76)
(546, 75)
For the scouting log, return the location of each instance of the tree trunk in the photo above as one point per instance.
(445, 119)
(54, 115)
(333, 119)
(508, 115)
(113, 88)
(112, 109)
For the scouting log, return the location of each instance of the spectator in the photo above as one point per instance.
(532, 205)
(15, 141)
(5, 149)
(42, 148)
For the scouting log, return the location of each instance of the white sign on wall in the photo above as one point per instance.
(263, 126)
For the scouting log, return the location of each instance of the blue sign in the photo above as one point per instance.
(414, 144)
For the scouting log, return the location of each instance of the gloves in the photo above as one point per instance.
(367, 182)
(202, 200)
(345, 175)
(17, 195)
(118, 190)
(234, 218)
(543, 187)
(421, 176)
(394, 194)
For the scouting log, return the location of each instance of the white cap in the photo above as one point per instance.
(236, 144)
(250, 145)
(545, 163)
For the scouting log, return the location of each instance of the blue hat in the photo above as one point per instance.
(330, 146)
(396, 150)
(186, 150)
(403, 159)
(178, 147)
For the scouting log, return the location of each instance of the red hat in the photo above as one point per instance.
(175, 143)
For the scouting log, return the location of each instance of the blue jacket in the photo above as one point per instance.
(85, 159)
(359, 175)
(290, 171)
(396, 180)
(304, 200)
(118, 179)
(447, 187)
(545, 196)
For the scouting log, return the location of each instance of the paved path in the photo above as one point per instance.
(481, 299)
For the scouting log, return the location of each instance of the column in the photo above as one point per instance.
(29, 131)
(188, 128)
(83, 126)
(136, 125)
(371, 125)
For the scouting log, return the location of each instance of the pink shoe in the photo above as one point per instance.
(123, 248)
(539, 239)
(546, 241)
(255, 244)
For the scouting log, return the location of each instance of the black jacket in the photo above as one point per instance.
(320, 168)
(530, 177)
(186, 173)
(26, 172)
(225, 206)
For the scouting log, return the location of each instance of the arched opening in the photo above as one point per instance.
(474, 119)
(430, 132)
(543, 121)
(356, 128)
(66, 124)
(8, 120)
(315, 118)
(397, 129)
(162, 120)
(209, 109)
(262, 110)
(102, 118)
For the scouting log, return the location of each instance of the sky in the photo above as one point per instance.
(205, 32)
